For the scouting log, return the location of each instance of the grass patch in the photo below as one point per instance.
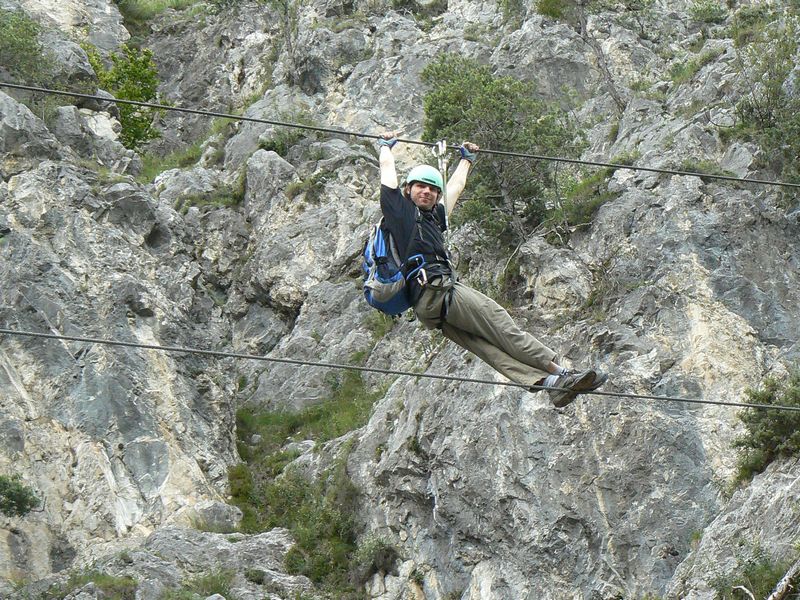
(312, 188)
(758, 574)
(348, 409)
(424, 13)
(217, 582)
(110, 586)
(137, 14)
(153, 164)
(748, 25)
(282, 139)
(221, 197)
(704, 166)
(379, 324)
(683, 72)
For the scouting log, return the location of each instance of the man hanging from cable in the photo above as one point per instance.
(416, 217)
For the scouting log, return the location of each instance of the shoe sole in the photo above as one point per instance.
(597, 383)
(584, 384)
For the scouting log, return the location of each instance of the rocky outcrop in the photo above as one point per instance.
(98, 22)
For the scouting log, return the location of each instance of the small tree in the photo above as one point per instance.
(16, 499)
(21, 54)
(132, 76)
(467, 102)
(771, 434)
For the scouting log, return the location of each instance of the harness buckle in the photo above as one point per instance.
(422, 277)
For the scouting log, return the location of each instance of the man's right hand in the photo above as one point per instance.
(387, 139)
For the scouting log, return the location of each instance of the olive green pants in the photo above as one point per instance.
(479, 324)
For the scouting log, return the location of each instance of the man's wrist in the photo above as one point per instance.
(389, 143)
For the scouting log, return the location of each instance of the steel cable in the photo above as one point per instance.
(335, 131)
(340, 366)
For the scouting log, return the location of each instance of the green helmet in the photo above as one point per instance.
(425, 174)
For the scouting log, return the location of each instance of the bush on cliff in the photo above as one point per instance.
(508, 196)
(770, 434)
(16, 499)
(132, 76)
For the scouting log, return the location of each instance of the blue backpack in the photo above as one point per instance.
(384, 281)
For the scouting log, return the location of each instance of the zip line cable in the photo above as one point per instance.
(332, 130)
(340, 366)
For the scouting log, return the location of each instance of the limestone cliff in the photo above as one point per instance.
(681, 286)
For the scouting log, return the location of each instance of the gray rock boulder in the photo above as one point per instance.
(24, 139)
(94, 135)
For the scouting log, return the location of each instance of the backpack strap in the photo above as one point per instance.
(419, 260)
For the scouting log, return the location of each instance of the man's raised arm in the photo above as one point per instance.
(386, 159)
(457, 181)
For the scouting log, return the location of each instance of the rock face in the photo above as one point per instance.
(98, 22)
(680, 287)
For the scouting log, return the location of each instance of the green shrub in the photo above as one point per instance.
(374, 555)
(144, 10)
(132, 76)
(16, 499)
(320, 515)
(24, 60)
(467, 102)
(770, 434)
(282, 139)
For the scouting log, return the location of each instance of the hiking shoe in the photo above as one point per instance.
(571, 384)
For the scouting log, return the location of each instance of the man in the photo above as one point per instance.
(467, 317)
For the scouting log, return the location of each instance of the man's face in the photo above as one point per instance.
(424, 195)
